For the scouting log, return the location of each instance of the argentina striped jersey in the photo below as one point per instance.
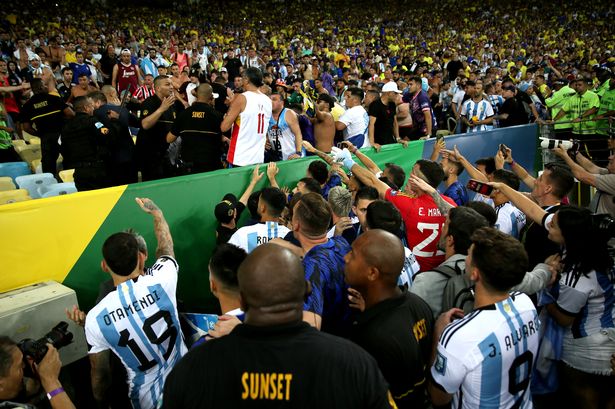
(139, 323)
(486, 358)
(250, 237)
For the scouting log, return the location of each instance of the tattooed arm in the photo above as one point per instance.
(161, 228)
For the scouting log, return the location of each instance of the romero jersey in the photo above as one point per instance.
(250, 237)
(486, 358)
(247, 145)
(510, 219)
(140, 324)
(423, 222)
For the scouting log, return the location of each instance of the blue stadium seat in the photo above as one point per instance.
(32, 182)
(14, 169)
(57, 189)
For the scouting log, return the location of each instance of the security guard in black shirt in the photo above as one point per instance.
(84, 146)
(122, 162)
(199, 129)
(158, 113)
(47, 113)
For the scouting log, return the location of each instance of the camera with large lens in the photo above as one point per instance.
(571, 146)
(604, 225)
(59, 337)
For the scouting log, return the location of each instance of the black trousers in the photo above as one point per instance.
(50, 151)
(91, 177)
(9, 155)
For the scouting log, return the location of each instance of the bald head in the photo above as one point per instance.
(383, 251)
(204, 93)
(271, 280)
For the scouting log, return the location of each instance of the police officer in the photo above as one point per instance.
(158, 113)
(199, 129)
(47, 113)
(122, 163)
(84, 146)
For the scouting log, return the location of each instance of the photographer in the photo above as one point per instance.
(12, 382)
(602, 179)
(582, 301)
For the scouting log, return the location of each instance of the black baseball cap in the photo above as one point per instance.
(225, 209)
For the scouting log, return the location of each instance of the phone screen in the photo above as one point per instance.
(479, 187)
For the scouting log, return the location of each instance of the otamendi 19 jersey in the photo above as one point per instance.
(140, 324)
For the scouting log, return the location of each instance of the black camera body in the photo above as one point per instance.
(604, 225)
(59, 337)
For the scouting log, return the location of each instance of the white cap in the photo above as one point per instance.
(391, 86)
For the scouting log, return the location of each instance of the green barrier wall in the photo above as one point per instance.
(188, 203)
(60, 238)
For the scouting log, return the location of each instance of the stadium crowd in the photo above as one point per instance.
(361, 287)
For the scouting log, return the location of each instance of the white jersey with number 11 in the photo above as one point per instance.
(249, 132)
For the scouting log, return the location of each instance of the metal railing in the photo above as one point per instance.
(597, 147)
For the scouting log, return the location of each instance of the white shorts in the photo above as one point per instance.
(591, 354)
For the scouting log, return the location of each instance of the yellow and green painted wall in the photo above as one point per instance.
(60, 238)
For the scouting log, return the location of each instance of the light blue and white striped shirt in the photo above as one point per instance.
(480, 110)
(140, 324)
(486, 358)
(250, 237)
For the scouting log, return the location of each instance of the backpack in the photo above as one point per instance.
(458, 291)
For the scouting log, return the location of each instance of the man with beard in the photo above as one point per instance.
(477, 112)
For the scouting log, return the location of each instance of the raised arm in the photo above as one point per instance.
(521, 201)
(311, 149)
(443, 205)
(20, 87)
(472, 171)
(364, 175)
(438, 147)
(518, 170)
(588, 165)
(256, 176)
(161, 228)
(365, 160)
(369, 179)
(577, 170)
(272, 171)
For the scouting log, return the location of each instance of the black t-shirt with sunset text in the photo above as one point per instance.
(152, 143)
(199, 128)
(286, 366)
(397, 332)
(46, 111)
